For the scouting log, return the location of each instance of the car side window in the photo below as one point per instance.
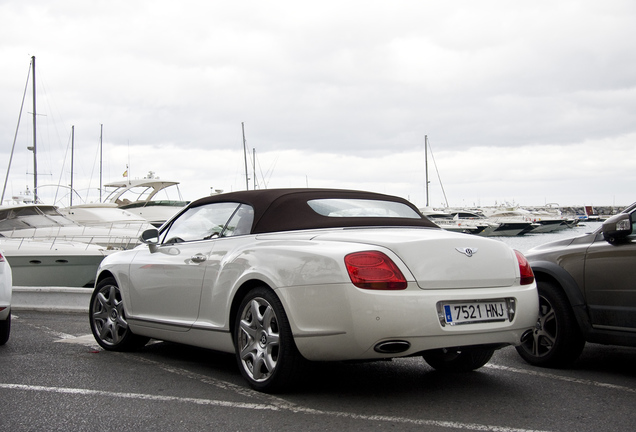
(199, 223)
(241, 222)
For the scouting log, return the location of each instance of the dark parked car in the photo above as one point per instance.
(587, 292)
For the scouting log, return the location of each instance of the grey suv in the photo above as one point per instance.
(587, 292)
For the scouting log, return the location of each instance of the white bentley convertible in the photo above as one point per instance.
(283, 276)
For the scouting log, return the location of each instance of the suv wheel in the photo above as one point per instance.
(556, 340)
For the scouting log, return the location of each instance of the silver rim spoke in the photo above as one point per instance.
(545, 332)
(108, 315)
(259, 339)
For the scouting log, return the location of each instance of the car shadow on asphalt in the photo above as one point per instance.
(394, 377)
(608, 359)
(604, 360)
(181, 355)
(402, 376)
(398, 376)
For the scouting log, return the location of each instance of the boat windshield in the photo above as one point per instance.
(144, 193)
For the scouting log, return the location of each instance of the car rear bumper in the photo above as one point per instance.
(341, 322)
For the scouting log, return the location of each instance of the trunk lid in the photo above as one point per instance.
(440, 259)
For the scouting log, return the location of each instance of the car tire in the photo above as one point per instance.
(457, 360)
(556, 340)
(265, 350)
(108, 319)
(5, 329)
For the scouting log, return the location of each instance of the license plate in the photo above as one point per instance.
(475, 312)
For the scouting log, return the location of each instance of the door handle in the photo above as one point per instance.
(198, 258)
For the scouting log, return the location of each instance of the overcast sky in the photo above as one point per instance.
(524, 102)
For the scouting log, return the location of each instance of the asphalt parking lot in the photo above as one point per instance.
(54, 377)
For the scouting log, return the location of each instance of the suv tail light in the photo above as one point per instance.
(527, 276)
(374, 270)
(1, 257)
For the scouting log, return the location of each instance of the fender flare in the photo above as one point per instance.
(549, 271)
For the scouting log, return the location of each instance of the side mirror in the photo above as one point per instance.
(617, 228)
(150, 237)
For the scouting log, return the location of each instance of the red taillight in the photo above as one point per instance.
(374, 270)
(527, 276)
(1, 257)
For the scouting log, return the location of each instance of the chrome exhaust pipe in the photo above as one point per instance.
(526, 335)
(392, 347)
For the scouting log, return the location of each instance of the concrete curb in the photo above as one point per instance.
(51, 299)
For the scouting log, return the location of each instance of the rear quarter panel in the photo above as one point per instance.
(275, 261)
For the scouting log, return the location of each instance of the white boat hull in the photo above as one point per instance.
(52, 263)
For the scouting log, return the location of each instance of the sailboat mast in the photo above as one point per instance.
(72, 159)
(101, 134)
(426, 164)
(254, 166)
(35, 157)
(247, 177)
(15, 137)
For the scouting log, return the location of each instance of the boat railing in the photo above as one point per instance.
(105, 241)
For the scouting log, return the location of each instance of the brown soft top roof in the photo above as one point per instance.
(287, 209)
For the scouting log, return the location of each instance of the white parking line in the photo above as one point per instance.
(561, 378)
(273, 403)
(87, 392)
(252, 406)
(282, 404)
(85, 340)
(89, 340)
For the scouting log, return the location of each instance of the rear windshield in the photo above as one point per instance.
(336, 207)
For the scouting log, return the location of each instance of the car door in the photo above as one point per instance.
(610, 283)
(166, 280)
(226, 265)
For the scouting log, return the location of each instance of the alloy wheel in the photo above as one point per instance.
(259, 339)
(107, 315)
(545, 331)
